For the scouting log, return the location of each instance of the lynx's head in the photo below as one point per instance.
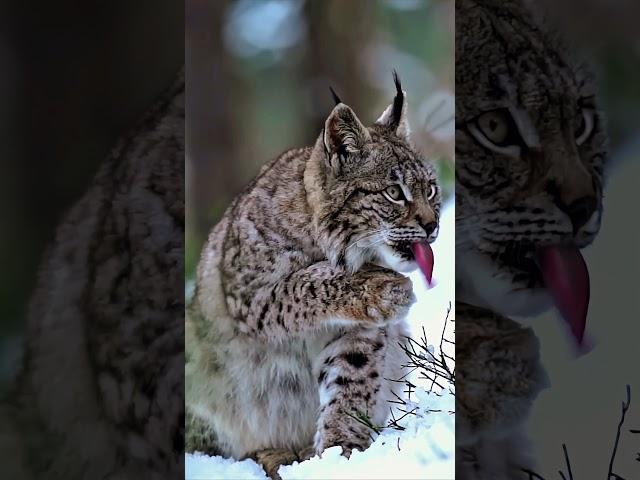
(371, 193)
(530, 149)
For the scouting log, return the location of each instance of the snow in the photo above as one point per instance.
(425, 449)
(199, 466)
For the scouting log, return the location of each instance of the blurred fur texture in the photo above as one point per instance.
(530, 153)
(100, 394)
(299, 307)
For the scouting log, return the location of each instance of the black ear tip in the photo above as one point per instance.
(396, 80)
(398, 101)
(336, 98)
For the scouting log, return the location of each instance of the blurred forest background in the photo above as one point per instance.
(258, 76)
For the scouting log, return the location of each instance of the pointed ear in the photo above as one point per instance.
(343, 133)
(395, 115)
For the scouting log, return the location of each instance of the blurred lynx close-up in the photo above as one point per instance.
(100, 370)
(531, 149)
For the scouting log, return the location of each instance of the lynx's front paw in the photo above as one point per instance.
(380, 295)
(271, 459)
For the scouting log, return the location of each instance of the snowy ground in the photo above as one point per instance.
(425, 449)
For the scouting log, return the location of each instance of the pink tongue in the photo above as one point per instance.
(567, 279)
(424, 258)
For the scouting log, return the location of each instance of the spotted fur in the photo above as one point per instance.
(299, 306)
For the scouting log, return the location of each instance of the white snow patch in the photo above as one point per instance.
(424, 450)
(199, 466)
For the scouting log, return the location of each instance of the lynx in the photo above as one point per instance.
(530, 151)
(299, 307)
(100, 391)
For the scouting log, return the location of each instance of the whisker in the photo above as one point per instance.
(366, 236)
(376, 242)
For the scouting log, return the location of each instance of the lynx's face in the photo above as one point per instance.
(379, 195)
(387, 201)
(530, 148)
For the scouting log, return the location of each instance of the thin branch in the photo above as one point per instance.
(566, 459)
(611, 475)
(625, 407)
(533, 475)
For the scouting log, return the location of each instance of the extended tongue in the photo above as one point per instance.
(566, 277)
(424, 258)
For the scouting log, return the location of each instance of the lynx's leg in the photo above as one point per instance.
(316, 296)
(350, 373)
(306, 453)
(272, 458)
(498, 377)
(502, 459)
(199, 437)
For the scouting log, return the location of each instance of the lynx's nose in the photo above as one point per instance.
(424, 215)
(580, 211)
(577, 197)
(429, 227)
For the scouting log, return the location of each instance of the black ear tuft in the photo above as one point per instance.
(336, 98)
(398, 101)
(394, 116)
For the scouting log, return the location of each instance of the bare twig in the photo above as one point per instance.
(566, 459)
(611, 475)
(625, 407)
(435, 368)
(533, 475)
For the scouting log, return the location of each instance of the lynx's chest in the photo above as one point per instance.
(277, 384)
(284, 368)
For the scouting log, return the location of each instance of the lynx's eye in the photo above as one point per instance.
(496, 131)
(494, 126)
(432, 192)
(587, 124)
(394, 194)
